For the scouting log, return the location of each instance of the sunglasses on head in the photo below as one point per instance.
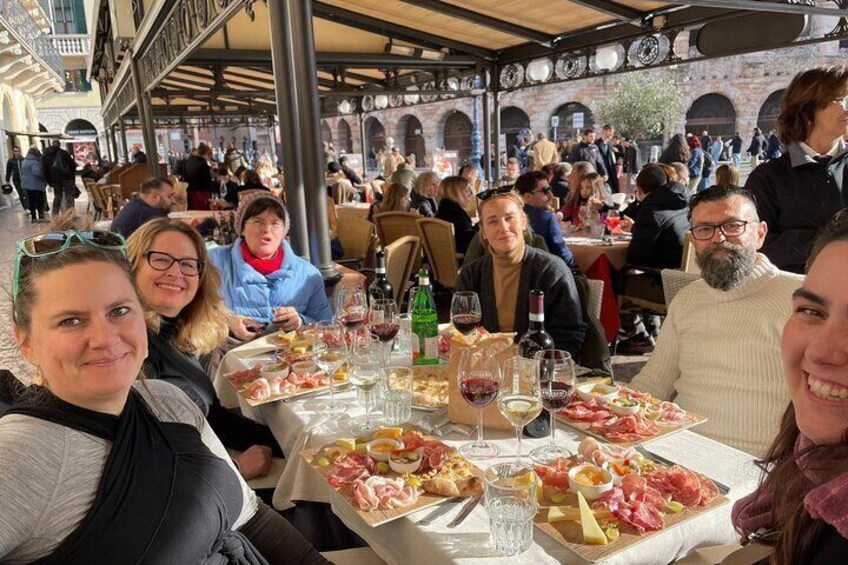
(486, 194)
(51, 243)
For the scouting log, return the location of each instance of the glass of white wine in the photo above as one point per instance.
(329, 359)
(520, 394)
(365, 375)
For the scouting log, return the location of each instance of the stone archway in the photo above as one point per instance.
(513, 121)
(326, 132)
(713, 113)
(375, 135)
(413, 138)
(344, 136)
(769, 112)
(457, 134)
(573, 117)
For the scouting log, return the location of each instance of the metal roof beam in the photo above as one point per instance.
(483, 20)
(388, 29)
(328, 59)
(610, 8)
(786, 7)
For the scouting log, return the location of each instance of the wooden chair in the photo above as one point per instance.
(392, 226)
(438, 240)
(401, 258)
(332, 214)
(114, 199)
(674, 281)
(95, 198)
(356, 235)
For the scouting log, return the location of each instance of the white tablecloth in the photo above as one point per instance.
(405, 542)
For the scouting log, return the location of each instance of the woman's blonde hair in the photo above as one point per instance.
(454, 188)
(424, 180)
(512, 197)
(202, 324)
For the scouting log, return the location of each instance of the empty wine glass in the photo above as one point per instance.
(466, 314)
(384, 324)
(520, 395)
(365, 375)
(479, 381)
(557, 379)
(329, 359)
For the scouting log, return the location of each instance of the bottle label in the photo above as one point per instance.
(380, 270)
(424, 281)
(537, 317)
(431, 347)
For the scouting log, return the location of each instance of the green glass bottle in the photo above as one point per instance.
(425, 323)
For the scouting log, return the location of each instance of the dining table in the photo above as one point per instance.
(297, 425)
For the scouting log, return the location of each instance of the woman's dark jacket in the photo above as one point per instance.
(423, 205)
(463, 229)
(198, 175)
(796, 197)
(659, 228)
(539, 270)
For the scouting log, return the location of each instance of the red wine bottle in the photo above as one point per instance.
(535, 338)
(380, 288)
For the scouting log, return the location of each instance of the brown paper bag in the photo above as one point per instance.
(500, 346)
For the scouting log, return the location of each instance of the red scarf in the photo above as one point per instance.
(826, 501)
(262, 266)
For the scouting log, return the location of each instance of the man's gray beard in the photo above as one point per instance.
(726, 271)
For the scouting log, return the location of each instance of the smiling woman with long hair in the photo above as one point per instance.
(801, 507)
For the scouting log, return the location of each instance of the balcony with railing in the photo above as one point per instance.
(20, 25)
(72, 45)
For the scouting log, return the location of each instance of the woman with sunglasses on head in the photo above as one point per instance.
(263, 281)
(798, 192)
(504, 278)
(100, 466)
(800, 506)
(177, 285)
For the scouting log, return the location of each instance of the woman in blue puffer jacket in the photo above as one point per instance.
(32, 180)
(262, 280)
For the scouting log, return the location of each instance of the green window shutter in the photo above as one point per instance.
(79, 15)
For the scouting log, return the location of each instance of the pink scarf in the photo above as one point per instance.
(826, 501)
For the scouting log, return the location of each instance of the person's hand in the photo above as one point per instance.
(288, 318)
(254, 462)
(242, 327)
(625, 224)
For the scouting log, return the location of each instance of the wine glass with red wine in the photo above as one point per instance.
(466, 315)
(383, 323)
(479, 381)
(351, 310)
(558, 381)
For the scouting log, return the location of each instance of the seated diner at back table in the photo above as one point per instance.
(262, 280)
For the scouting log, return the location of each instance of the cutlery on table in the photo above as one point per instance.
(466, 510)
(440, 511)
(723, 488)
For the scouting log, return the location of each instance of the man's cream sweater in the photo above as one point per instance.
(719, 353)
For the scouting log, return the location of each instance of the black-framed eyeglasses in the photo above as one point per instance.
(160, 261)
(728, 229)
(544, 189)
(486, 194)
(842, 102)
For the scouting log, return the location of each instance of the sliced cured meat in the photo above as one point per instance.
(352, 467)
(383, 493)
(641, 508)
(586, 411)
(626, 428)
(280, 386)
(318, 379)
(555, 475)
(635, 394)
(434, 456)
(297, 379)
(243, 377)
(685, 486)
(259, 389)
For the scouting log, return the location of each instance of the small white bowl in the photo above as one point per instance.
(401, 467)
(382, 453)
(608, 392)
(274, 370)
(623, 410)
(304, 368)
(616, 478)
(590, 492)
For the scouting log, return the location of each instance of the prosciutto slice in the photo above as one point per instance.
(259, 389)
(351, 468)
(383, 493)
(685, 486)
(626, 428)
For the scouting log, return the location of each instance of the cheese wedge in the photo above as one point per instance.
(388, 433)
(569, 513)
(592, 532)
(347, 443)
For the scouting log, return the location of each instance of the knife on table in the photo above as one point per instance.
(466, 510)
(440, 511)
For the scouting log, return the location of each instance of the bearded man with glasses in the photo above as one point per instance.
(718, 353)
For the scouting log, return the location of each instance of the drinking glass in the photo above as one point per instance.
(365, 376)
(351, 310)
(398, 404)
(384, 324)
(520, 395)
(329, 360)
(613, 219)
(466, 314)
(479, 381)
(557, 380)
(510, 494)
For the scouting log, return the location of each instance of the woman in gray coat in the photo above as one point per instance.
(32, 180)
